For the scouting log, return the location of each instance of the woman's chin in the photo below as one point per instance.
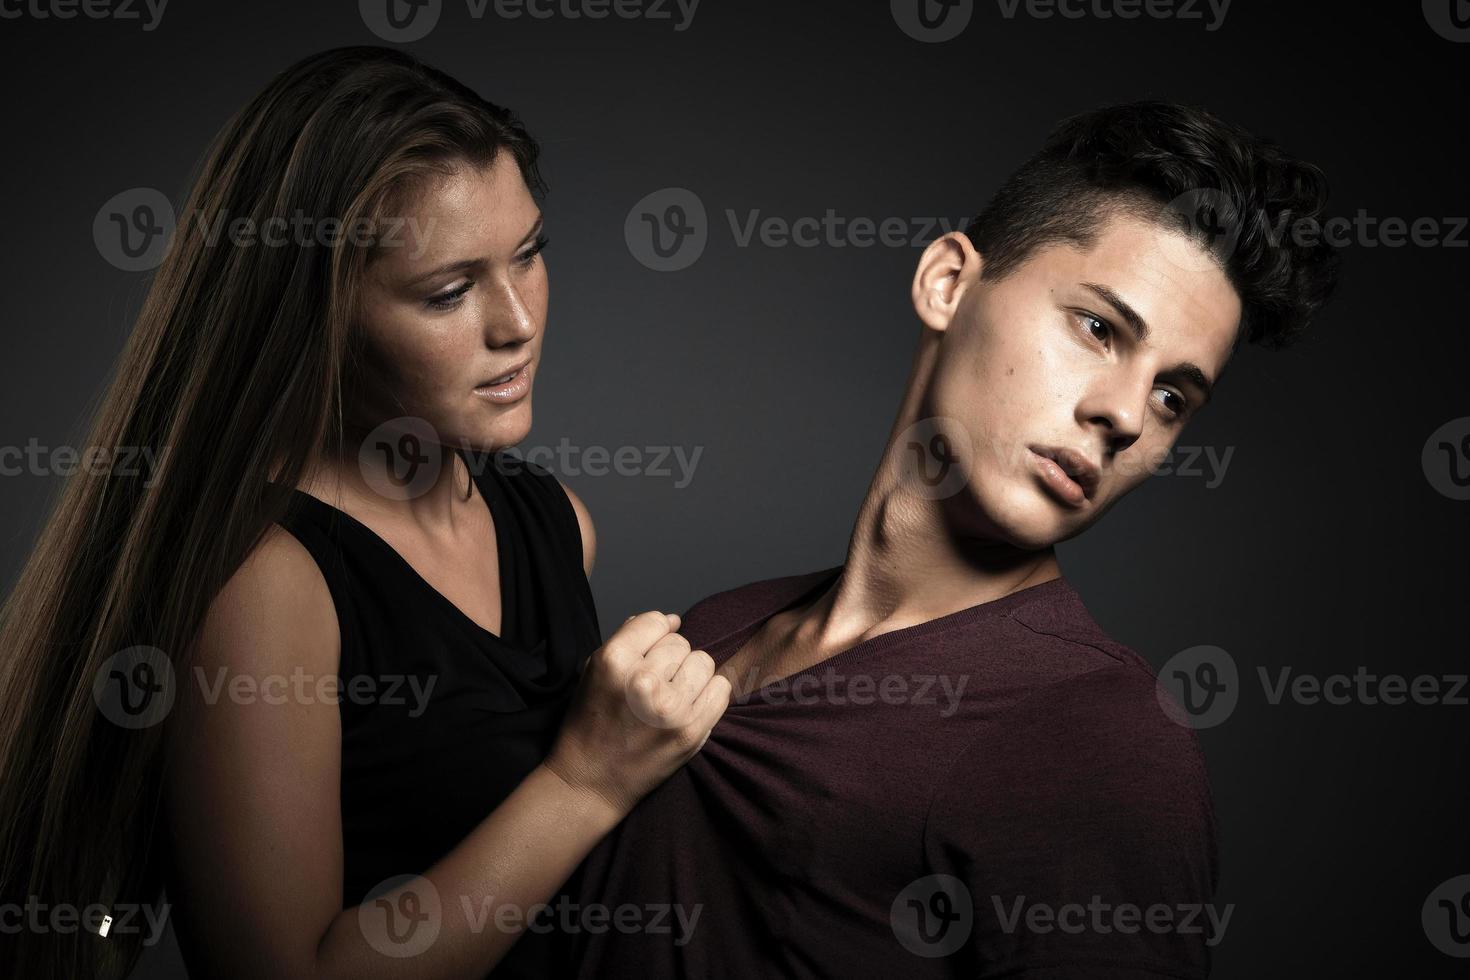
(503, 433)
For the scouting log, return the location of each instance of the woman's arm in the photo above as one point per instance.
(584, 524)
(254, 806)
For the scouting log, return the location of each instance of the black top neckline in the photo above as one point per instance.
(505, 560)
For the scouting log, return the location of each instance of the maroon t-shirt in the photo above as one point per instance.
(996, 792)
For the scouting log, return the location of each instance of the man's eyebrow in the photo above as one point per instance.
(1185, 369)
(460, 264)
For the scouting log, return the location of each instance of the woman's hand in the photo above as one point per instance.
(645, 706)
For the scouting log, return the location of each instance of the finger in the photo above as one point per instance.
(712, 701)
(665, 656)
(693, 674)
(637, 635)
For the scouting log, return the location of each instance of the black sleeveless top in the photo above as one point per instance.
(448, 717)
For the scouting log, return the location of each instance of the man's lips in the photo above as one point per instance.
(1068, 471)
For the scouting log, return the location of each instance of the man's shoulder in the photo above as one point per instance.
(1111, 698)
(1060, 615)
(1087, 708)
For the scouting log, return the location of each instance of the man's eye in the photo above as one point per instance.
(1094, 324)
(1177, 407)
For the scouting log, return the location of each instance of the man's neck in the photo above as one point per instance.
(905, 567)
(905, 563)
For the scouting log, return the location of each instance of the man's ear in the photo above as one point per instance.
(946, 269)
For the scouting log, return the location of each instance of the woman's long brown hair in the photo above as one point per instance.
(234, 376)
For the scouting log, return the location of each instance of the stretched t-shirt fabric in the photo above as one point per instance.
(996, 792)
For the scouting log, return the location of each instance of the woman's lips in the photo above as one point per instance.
(504, 392)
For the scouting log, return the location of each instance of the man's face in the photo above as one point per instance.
(1047, 379)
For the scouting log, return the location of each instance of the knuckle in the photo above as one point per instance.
(653, 618)
(644, 684)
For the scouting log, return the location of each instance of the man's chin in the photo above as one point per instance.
(1024, 528)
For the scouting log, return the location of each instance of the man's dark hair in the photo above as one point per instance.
(1237, 195)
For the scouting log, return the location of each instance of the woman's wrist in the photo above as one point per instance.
(600, 809)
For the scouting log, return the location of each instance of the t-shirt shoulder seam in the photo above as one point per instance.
(1138, 664)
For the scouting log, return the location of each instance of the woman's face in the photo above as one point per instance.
(453, 303)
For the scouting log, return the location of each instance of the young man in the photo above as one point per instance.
(935, 763)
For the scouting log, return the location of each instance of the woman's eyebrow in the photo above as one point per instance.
(462, 264)
(536, 227)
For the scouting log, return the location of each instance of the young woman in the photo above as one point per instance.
(325, 672)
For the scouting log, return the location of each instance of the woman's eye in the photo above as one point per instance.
(449, 300)
(537, 247)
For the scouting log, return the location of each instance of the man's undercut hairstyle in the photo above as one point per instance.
(1240, 197)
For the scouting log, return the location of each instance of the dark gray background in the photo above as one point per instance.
(1324, 548)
